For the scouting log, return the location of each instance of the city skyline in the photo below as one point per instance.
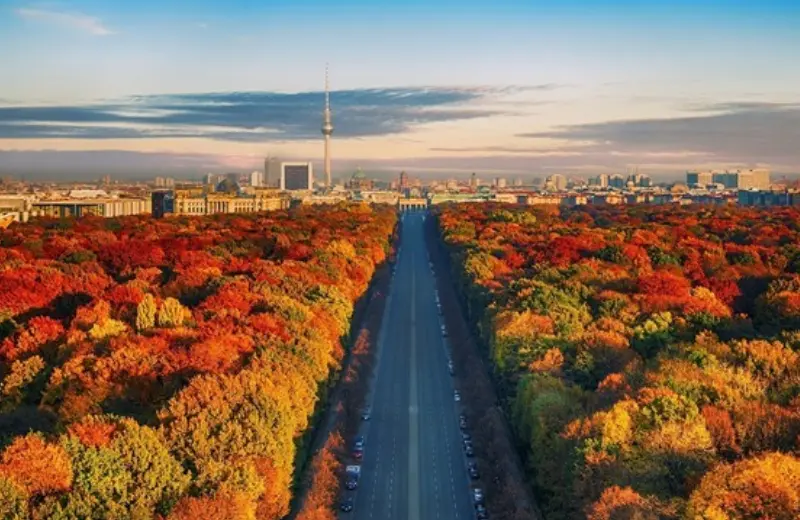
(582, 88)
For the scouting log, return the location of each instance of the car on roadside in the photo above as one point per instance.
(469, 452)
(480, 512)
(353, 473)
(477, 496)
(358, 444)
(466, 436)
(365, 414)
(456, 396)
(474, 474)
(346, 505)
(358, 454)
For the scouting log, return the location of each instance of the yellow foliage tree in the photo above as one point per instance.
(763, 487)
(171, 314)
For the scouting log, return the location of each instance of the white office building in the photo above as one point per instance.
(257, 179)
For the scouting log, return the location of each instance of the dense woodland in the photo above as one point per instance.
(648, 357)
(170, 368)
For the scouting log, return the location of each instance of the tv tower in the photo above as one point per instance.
(327, 131)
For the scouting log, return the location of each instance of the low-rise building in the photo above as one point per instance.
(768, 198)
(532, 199)
(99, 207)
(198, 201)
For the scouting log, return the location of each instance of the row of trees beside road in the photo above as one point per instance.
(648, 357)
(169, 368)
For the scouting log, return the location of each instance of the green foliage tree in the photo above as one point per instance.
(13, 500)
(23, 373)
(133, 476)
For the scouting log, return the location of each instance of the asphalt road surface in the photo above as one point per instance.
(413, 466)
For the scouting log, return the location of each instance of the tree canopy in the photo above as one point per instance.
(648, 356)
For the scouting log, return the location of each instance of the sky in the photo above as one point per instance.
(435, 87)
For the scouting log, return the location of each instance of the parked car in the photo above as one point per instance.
(477, 496)
(365, 414)
(456, 396)
(469, 452)
(353, 473)
(358, 444)
(474, 474)
(466, 436)
(480, 512)
(358, 454)
(346, 505)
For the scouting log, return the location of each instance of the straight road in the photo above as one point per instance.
(413, 466)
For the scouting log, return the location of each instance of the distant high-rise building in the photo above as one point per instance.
(272, 171)
(297, 176)
(601, 181)
(164, 182)
(638, 180)
(500, 182)
(163, 202)
(209, 179)
(758, 178)
(518, 181)
(617, 181)
(404, 182)
(257, 178)
(474, 182)
(556, 182)
(327, 131)
(697, 178)
(451, 184)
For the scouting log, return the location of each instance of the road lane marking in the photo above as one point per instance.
(413, 422)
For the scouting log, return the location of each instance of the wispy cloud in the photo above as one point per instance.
(248, 116)
(75, 21)
(725, 132)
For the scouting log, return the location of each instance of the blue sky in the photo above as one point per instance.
(518, 87)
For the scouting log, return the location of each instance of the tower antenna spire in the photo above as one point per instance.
(327, 90)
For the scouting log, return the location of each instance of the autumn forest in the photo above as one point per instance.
(647, 358)
(170, 368)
